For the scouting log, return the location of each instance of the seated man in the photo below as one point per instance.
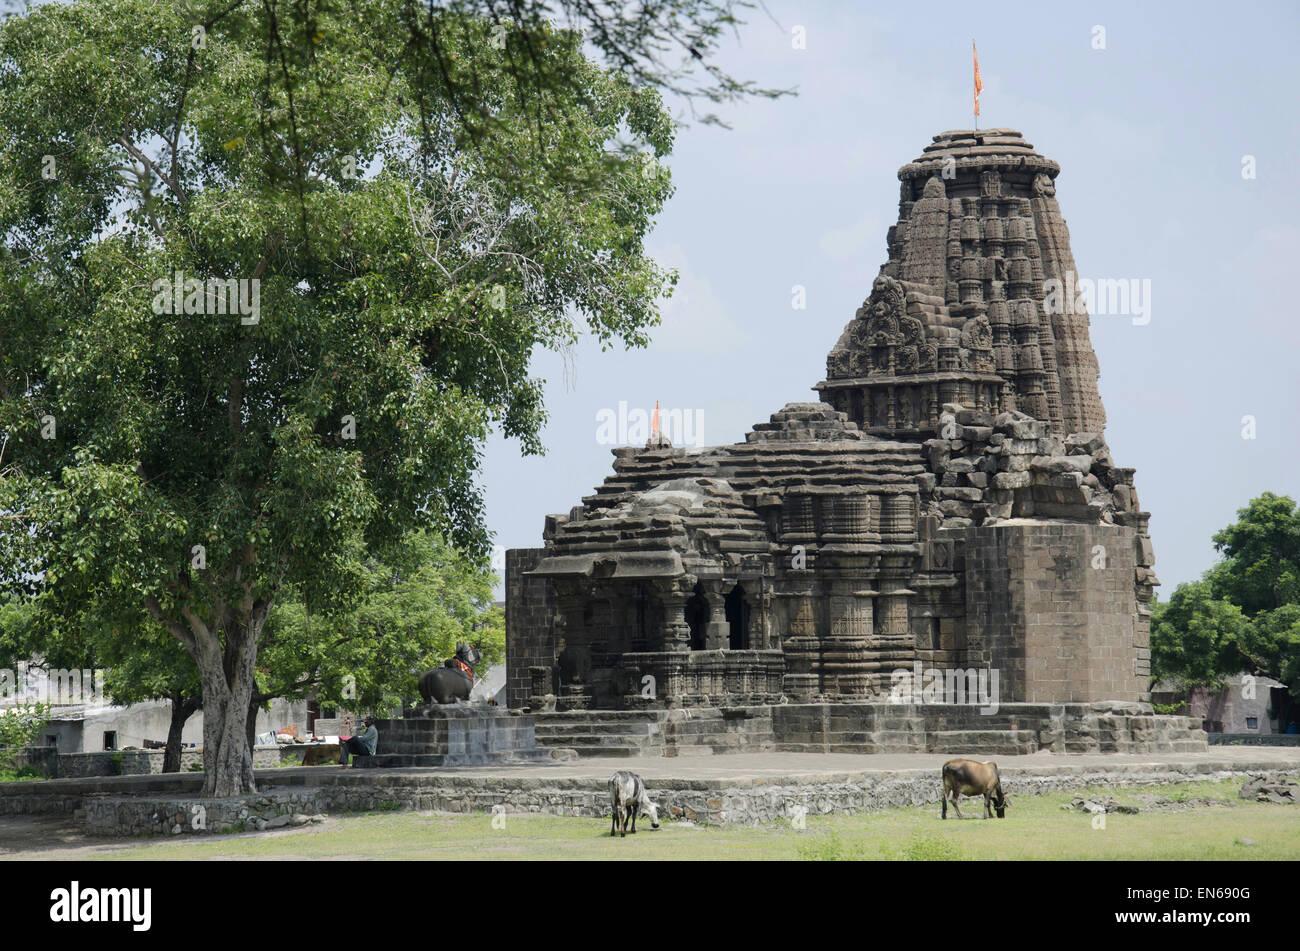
(363, 745)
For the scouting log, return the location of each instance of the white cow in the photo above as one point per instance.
(628, 797)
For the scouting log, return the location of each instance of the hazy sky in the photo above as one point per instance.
(1150, 133)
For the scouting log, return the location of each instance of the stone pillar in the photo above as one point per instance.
(800, 643)
(530, 625)
(845, 650)
(891, 620)
(673, 597)
(717, 631)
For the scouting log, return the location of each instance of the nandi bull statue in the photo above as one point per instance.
(454, 680)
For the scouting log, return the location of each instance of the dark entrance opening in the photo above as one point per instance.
(697, 618)
(738, 619)
(1285, 710)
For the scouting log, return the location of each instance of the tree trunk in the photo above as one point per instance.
(225, 652)
(182, 709)
(254, 704)
(228, 686)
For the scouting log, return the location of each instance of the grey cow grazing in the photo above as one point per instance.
(627, 798)
(967, 777)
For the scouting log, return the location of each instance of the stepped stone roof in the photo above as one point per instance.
(1005, 149)
(956, 329)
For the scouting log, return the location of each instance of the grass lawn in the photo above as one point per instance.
(1204, 821)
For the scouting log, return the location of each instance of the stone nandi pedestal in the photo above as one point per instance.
(457, 735)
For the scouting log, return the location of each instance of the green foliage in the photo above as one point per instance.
(410, 300)
(416, 605)
(1245, 612)
(922, 847)
(1260, 569)
(918, 847)
(1194, 637)
(19, 630)
(1272, 642)
(25, 774)
(829, 848)
(20, 726)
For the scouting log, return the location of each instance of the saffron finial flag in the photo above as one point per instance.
(654, 423)
(979, 83)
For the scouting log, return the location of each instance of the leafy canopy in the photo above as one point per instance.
(417, 606)
(1245, 612)
(406, 270)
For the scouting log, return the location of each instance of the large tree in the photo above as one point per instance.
(1244, 615)
(270, 271)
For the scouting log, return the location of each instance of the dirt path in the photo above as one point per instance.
(57, 838)
(50, 837)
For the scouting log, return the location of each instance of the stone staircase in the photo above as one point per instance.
(602, 732)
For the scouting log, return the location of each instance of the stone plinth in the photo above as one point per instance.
(456, 735)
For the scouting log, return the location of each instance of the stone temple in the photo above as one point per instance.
(948, 510)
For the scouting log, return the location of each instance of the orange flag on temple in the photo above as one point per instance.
(979, 83)
(654, 423)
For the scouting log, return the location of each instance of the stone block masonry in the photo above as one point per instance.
(1050, 606)
(530, 639)
(56, 765)
(950, 501)
(456, 735)
(870, 728)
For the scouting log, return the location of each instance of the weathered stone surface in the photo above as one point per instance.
(1283, 791)
(844, 540)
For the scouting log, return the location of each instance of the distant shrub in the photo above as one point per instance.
(922, 847)
(24, 774)
(828, 849)
(20, 726)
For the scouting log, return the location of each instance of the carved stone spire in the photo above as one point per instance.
(958, 313)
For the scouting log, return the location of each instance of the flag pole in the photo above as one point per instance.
(979, 86)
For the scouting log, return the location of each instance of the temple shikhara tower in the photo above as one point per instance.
(948, 510)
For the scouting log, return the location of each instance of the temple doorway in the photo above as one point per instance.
(697, 618)
(738, 619)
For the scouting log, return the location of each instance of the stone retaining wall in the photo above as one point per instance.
(174, 815)
(1253, 739)
(718, 730)
(746, 801)
(56, 765)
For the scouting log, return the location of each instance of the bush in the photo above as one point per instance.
(829, 849)
(20, 726)
(928, 848)
(16, 776)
